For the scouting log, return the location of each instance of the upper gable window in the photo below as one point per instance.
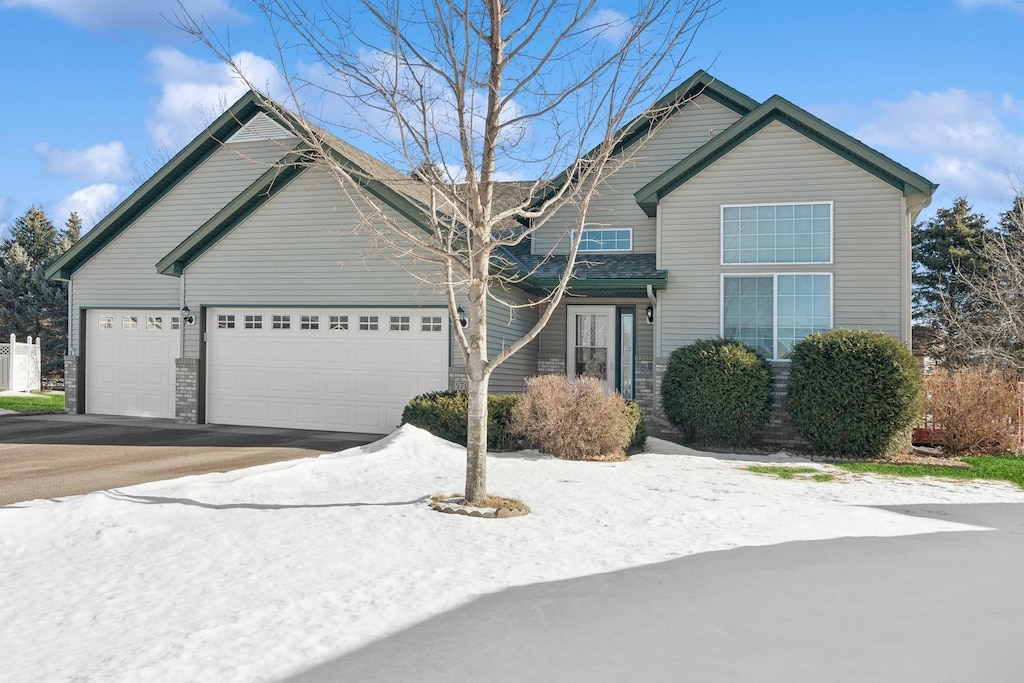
(605, 239)
(777, 233)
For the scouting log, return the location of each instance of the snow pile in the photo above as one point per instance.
(258, 573)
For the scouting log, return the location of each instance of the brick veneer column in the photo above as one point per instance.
(186, 391)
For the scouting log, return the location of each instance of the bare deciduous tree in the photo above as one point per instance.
(470, 93)
(988, 326)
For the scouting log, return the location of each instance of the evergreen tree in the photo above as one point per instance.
(949, 244)
(36, 235)
(32, 305)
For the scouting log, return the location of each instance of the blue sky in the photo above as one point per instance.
(97, 92)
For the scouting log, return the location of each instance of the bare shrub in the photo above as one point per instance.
(573, 421)
(976, 411)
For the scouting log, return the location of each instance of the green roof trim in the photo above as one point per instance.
(151, 191)
(779, 109)
(700, 83)
(237, 210)
(630, 288)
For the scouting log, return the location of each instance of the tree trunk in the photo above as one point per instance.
(476, 443)
(478, 380)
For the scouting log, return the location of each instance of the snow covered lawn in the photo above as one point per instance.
(263, 572)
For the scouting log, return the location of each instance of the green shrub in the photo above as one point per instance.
(573, 421)
(636, 425)
(445, 413)
(717, 392)
(855, 392)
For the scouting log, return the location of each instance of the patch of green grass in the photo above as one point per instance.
(785, 472)
(38, 403)
(999, 468)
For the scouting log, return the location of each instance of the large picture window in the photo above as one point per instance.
(777, 233)
(771, 313)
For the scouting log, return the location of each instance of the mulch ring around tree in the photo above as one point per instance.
(492, 507)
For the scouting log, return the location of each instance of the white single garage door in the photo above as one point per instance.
(129, 362)
(338, 369)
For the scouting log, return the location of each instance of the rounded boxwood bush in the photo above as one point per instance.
(717, 392)
(854, 392)
(637, 427)
(445, 413)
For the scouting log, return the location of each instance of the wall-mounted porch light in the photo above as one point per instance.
(650, 314)
(187, 317)
(463, 320)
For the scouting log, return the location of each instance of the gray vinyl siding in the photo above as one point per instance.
(779, 165)
(553, 338)
(502, 331)
(305, 247)
(123, 273)
(615, 205)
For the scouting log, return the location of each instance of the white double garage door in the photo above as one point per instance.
(331, 369)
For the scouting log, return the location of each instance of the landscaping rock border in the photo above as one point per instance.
(455, 506)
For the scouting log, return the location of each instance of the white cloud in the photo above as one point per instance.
(92, 203)
(194, 92)
(963, 138)
(99, 162)
(1009, 4)
(609, 25)
(152, 15)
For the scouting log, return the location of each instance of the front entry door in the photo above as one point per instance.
(591, 343)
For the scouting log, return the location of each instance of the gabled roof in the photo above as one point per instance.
(147, 194)
(237, 210)
(700, 83)
(779, 109)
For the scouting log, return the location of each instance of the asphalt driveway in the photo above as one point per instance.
(49, 456)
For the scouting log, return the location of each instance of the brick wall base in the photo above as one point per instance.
(186, 391)
(457, 379)
(72, 399)
(550, 365)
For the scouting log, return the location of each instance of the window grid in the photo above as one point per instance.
(226, 322)
(771, 313)
(175, 323)
(369, 323)
(154, 322)
(777, 233)
(129, 322)
(309, 322)
(430, 323)
(399, 323)
(338, 322)
(106, 322)
(281, 322)
(254, 322)
(606, 239)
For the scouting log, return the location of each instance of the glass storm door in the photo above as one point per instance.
(591, 343)
(626, 342)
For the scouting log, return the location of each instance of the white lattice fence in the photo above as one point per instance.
(20, 366)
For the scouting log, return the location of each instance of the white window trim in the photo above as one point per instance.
(603, 251)
(831, 235)
(775, 308)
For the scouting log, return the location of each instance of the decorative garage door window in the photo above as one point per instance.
(430, 323)
(129, 322)
(339, 322)
(368, 323)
